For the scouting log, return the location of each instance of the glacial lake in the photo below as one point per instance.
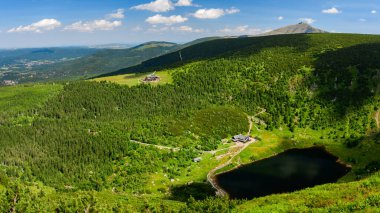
(292, 170)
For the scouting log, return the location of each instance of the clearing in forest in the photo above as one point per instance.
(136, 78)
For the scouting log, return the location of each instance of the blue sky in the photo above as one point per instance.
(37, 23)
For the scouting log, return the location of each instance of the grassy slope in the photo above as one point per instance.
(135, 79)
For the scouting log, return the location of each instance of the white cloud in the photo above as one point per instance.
(168, 20)
(214, 13)
(90, 26)
(38, 27)
(373, 11)
(307, 20)
(156, 6)
(184, 3)
(363, 20)
(242, 30)
(209, 13)
(183, 29)
(332, 10)
(232, 11)
(280, 18)
(187, 29)
(119, 14)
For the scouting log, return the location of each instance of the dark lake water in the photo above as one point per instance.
(289, 171)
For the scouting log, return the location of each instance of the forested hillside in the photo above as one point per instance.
(108, 147)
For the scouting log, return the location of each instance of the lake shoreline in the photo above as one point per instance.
(321, 149)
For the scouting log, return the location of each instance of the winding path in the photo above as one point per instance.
(377, 119)
(176, 149)
(211, 175)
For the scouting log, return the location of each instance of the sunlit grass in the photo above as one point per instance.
(135, 78)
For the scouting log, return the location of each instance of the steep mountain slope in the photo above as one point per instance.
(96, 146)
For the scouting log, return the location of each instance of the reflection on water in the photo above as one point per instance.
(289, 171)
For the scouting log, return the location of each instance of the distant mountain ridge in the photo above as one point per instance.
(111, 46)
(300, 28)
(154, 44)
(9, 56)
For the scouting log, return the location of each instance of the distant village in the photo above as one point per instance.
(8, 83)
(28, 64)
(24, 69)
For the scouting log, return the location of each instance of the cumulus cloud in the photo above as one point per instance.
(242, 30)
(214, 13)
(184, 3)
(188, 29)
(38, 27)
(373, 11)
(332, 10)
(307, 20)
(90, 26)
(168, 20)
(280, 18)
(118, 14)
(156, 6)
(209, 13)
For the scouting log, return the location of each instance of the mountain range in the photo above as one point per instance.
(103, 59)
